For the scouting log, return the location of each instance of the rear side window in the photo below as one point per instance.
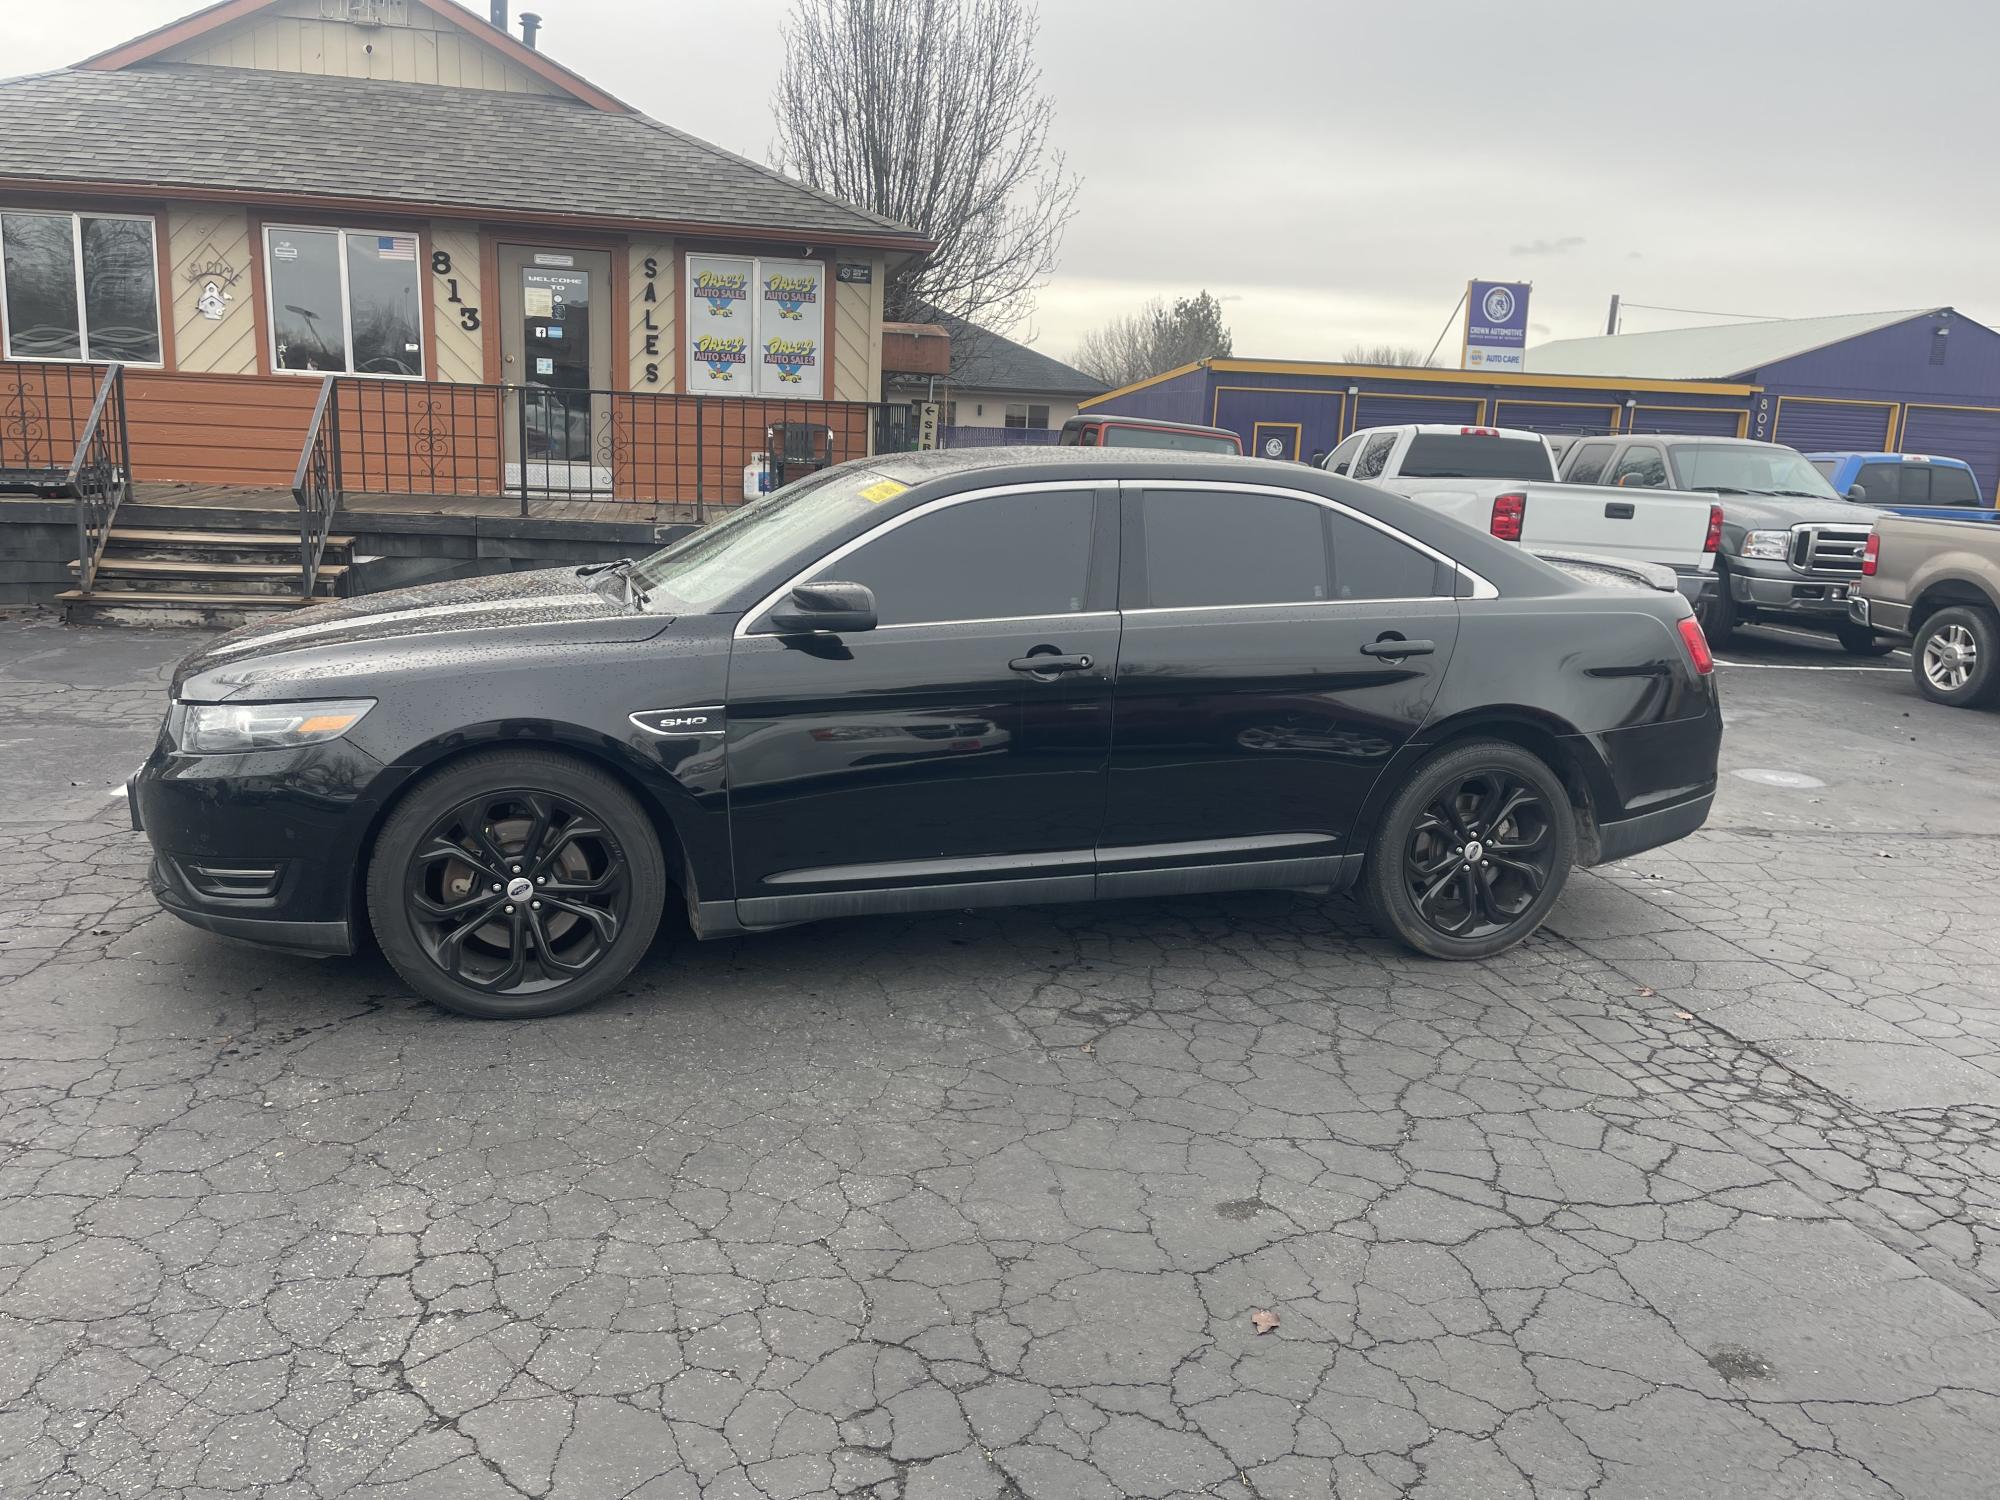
(999, 558)
(1375, 457)
(1588, 465)
(1641, 467)
(1370, 564)
(1951, 485)
(1204, 549)
(1453, 455)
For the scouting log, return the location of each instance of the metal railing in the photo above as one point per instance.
(43, 408)
(100, 473)
(316, 485)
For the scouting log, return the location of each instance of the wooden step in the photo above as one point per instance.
(142, 536)
(164, 567)
(207, 611)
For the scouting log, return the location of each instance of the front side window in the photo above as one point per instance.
(1021, 414)
(1588, 465)
(1001, 557)
(1883, 482)
(1751, 469)
(1375, 457)
(80, 286)
(1641, 467)
(344, 301)
(1338, 460)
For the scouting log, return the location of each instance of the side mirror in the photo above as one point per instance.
(838, 607)
(1858, 493)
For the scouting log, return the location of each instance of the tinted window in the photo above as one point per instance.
(1641, 467)
(1588, 465)
(1233, 549)
(1342, 456)
(991, 559)
(1883, 482)
(1452, 455)
(1826, 466)
(1369, 564)
(1375, 456)
(1117, 436)
(1951, 485)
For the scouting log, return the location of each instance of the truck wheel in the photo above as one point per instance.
(1718, 615)
(1859, 640)
(1955, 657)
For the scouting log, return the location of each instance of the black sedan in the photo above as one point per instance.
(924, 681)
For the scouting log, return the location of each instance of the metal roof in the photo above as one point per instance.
(1719, 352)
(165, 126)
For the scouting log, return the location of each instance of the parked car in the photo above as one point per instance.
(893, 686)
(1503, 480)
(1909, 484)
(1790, 547)
(1144, 432)
(1936, 584)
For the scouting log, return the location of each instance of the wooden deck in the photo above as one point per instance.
(485, 507)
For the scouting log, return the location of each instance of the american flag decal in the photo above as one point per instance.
(395, 247)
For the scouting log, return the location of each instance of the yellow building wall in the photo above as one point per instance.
(459, 352)
(857, 337)
(651, 340)
(297, 37)
(209, 245)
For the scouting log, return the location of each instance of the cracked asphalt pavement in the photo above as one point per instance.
(1695, 1195)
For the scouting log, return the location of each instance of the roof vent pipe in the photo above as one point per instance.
(530, 24)
(497, 14)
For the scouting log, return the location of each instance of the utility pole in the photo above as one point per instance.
(1611, 318)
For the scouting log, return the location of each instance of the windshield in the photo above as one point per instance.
(1452, 455)
(1116, 436)
(697, 574)
(1748, 469)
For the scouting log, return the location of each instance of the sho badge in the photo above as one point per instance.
(680, 721)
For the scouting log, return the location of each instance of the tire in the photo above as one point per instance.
(1718, 620)
(1955, 658)
(1462, 790)
(512, 950)
(1859, 640)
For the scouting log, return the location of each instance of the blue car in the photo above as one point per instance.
(1910, 484)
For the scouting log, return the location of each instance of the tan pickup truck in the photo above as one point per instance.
(1936, 583)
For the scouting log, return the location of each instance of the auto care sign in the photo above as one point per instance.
(756, 327)
(1496, 325)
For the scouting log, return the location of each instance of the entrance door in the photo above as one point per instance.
(555, 343)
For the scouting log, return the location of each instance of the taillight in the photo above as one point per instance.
(1696, 645)
(1871, 555)
(1714, 542)
(1510, 513)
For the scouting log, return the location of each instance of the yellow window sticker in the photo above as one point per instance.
(882, 489)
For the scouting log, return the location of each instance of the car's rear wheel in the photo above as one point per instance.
(1859, 640)
(1955, 657)
(1472, 853)
(516, 883)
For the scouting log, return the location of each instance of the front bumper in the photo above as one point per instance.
(172, 890)
(1775, 588)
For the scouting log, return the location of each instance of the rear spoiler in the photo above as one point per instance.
(1614, 572)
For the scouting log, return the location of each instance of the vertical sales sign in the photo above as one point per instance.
(1496, 325)
(756, 327)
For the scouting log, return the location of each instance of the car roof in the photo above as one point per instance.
(1054, 462)
(1892, 458)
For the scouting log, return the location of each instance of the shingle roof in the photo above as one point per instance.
(982, 360)
(1714, 353)
(169, 125)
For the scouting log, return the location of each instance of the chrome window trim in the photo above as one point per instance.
(1085, 487)
(1481, 589)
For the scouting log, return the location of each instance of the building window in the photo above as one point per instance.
(1020, 414)
(80, 286)
(345, 301)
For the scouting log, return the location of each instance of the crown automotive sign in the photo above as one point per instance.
(1496, 325)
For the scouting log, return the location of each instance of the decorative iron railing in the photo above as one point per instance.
(100, 473)
(316, 485)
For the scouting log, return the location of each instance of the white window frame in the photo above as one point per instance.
(340, 232)
(76, 218)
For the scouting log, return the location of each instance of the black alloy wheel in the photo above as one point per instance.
(1473, 852)
(516, 884)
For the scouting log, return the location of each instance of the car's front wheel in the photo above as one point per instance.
(1953, 657)
(516, 883)
(1472, 852)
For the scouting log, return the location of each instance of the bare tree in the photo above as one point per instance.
(1386, 354)
(1155, 339)
(930, 113)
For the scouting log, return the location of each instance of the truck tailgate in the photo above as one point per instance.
(1657, 526)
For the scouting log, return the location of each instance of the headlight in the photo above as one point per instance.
(228, 728)
(1776, 545)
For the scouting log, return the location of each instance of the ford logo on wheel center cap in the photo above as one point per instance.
(520, 888)
(1473, 851)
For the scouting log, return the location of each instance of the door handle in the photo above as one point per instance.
(1399, 647)
(1618, 510)
(1049, 665)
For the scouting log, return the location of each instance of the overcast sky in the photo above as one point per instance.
(1335, 170)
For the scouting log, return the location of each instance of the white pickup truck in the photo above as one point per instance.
(1503, 480)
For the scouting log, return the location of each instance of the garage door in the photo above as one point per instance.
(1963, 432)
(1555, 416)
(1833, 426)
(1704, 421)
(1371, 410)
